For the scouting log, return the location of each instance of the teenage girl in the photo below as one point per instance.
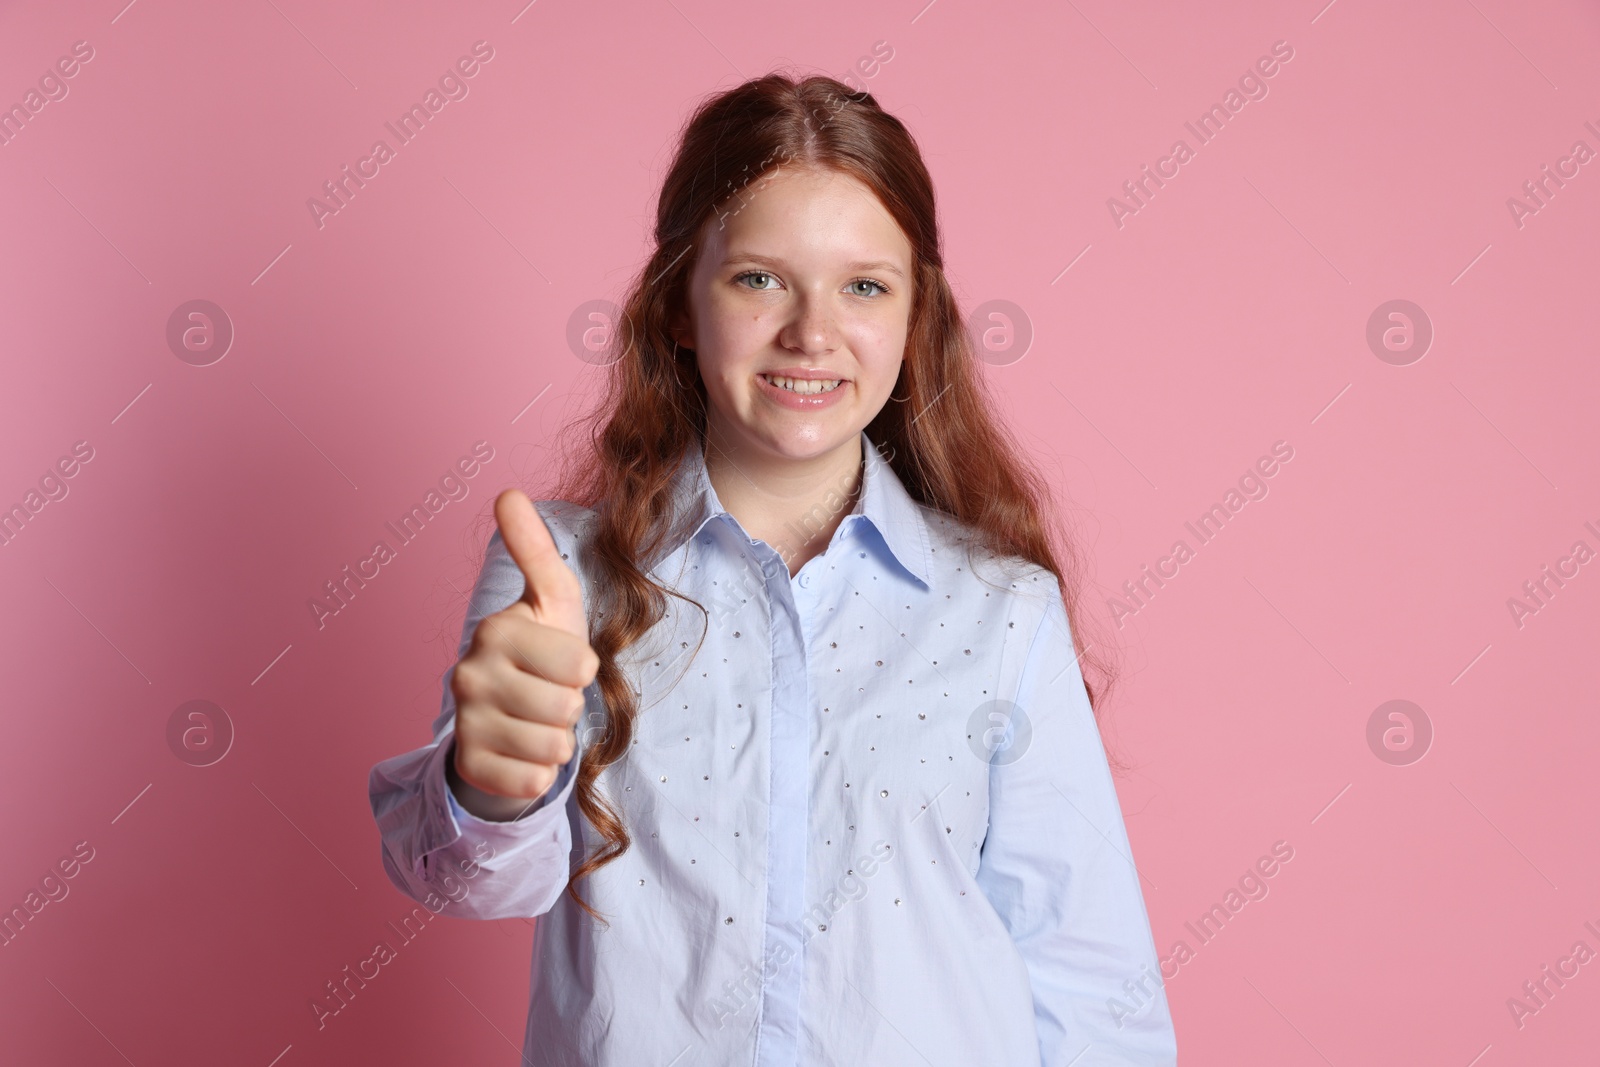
(773, 713)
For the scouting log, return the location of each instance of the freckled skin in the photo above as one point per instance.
(804, 305)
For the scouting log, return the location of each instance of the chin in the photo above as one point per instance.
(808, 442)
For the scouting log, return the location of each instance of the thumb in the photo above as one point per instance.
(552, 590)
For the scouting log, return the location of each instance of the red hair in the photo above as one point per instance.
(942, 442)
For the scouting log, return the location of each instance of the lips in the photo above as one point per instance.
(809, 390)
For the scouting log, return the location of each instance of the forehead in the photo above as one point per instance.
(806, 214)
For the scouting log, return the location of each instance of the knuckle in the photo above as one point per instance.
(471, 681)
(574, 660)
(546, 750)
(497, 638)
(483, 637)
(499, 630)
(467, 763)
(536, 779)
(465, 681)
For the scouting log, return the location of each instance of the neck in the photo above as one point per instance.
(793, 505)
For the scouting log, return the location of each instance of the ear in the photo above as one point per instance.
(682, 331)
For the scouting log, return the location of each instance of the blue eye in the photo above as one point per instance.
(754, 274)
(868, 281)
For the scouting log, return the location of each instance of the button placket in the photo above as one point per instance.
(788, 823)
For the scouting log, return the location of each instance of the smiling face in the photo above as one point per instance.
(811, 280)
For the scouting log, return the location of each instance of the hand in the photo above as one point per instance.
(519, 688)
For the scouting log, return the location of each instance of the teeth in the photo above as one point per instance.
(797, 385)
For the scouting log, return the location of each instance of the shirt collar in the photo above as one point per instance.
(884, 504)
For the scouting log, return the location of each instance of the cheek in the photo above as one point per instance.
(878, 347)
(731, 331)
(722, 370)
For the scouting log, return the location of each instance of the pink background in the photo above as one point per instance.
(1228, 314)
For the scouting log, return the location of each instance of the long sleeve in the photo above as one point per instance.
(433, 849)
(1057, 867)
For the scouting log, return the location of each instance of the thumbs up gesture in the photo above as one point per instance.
(519, 688)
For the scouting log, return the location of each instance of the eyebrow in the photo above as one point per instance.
(768, 261)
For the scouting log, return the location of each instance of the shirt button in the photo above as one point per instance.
(805, 580)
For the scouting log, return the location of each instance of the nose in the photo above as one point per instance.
(810, 330)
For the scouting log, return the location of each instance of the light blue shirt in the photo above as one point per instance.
(872, 821)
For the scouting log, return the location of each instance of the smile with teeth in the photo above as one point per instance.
(799, 385)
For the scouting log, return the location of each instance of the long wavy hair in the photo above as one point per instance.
(951, 455)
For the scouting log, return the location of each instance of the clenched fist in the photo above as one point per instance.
(519, 688)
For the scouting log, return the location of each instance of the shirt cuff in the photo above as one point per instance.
(504, 839)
